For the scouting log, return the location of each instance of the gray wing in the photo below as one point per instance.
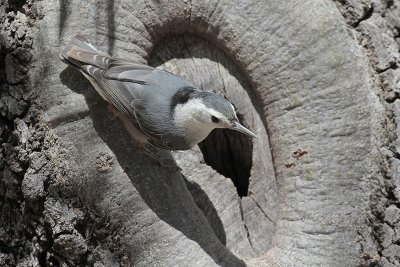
(144, 94)
(140, 92)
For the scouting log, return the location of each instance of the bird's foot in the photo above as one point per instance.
(164, 161)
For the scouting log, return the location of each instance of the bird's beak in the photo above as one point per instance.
(240, 128)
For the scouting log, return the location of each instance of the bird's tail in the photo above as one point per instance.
(80, 53)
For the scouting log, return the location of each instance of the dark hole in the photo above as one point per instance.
(230, 154)
(3, 53)
(16, 5)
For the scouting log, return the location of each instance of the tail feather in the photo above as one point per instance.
(89, 58)
(79, 51)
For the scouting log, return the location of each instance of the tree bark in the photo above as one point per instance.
(317, 81)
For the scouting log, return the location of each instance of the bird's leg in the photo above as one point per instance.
(115, 113)
(157, 155)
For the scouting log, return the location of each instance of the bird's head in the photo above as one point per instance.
(197, 113)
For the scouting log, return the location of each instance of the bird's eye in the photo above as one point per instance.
(214, 119)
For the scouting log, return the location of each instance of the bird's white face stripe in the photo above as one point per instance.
(194, 118)
(196, 109)
(233, 108)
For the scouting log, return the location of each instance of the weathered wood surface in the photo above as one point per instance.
(313, 79)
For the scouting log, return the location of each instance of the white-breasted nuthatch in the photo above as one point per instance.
(156, 106)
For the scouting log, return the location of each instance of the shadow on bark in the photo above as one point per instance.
(63, 9)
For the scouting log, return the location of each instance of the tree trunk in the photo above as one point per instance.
(317, 81)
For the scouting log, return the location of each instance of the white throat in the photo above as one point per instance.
(193, 119)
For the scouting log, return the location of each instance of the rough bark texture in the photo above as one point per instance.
(317, 81)
(377, 25)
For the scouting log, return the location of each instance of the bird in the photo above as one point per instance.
(157, 107)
